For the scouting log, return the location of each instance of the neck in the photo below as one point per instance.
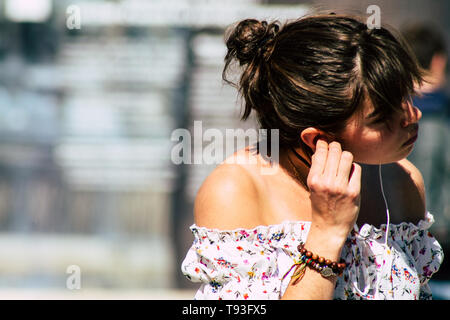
(302, 157)
(297, 163)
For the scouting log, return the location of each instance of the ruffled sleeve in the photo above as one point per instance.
(425, 250)
(243, 263)
(399, 270)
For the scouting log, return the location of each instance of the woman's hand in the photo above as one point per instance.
(334, 182)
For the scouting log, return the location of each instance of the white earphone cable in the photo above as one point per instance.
(386, 204)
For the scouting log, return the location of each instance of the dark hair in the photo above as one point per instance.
(425, 41)
(316, 72)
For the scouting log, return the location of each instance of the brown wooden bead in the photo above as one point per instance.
(325, 266)
(341, 266)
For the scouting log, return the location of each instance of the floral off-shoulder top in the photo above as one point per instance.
(251, 263)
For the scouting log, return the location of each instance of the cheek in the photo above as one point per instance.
(367, 146)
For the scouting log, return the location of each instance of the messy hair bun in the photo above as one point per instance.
(250, 39)
(251, 43)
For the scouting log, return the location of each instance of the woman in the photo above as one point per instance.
(340, 95)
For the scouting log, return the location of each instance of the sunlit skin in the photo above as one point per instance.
(383, 142)
(377, 142)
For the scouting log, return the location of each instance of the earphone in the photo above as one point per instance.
(386, 204)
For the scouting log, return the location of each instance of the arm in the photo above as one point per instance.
(335, 201)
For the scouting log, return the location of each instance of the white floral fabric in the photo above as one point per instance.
(251, 263)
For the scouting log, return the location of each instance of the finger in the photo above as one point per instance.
(333, 159)
(345, 167)
(319, 158)
(354, 184)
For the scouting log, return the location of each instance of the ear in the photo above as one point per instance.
(310, 136)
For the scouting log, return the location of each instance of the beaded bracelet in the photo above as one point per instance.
(325, 267)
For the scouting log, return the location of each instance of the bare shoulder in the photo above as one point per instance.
(415, 175)
(227, 199)
(409, 188)
(413, 172)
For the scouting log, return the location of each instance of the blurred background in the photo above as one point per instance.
(90, 93)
